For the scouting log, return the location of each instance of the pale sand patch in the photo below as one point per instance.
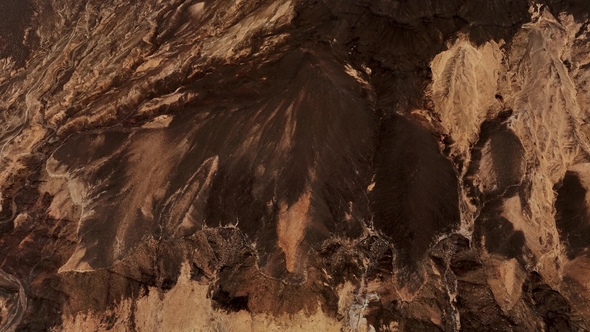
(197, 10)
(505, 278)
(464, 85)
(149, 64)
(291, 228)
(187, 308)
(76, 262)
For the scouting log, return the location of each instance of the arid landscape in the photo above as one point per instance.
(295, 165)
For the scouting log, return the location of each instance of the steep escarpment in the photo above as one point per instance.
(294, 165)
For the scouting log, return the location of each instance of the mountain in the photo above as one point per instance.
(295, 165)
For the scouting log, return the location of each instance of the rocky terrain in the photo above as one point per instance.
(295, 165)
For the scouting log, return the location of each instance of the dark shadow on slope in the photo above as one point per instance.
(571, 216)
(549, 304)
(415, 197)
(15, 16)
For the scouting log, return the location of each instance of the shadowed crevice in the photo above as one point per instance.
(571, 216)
